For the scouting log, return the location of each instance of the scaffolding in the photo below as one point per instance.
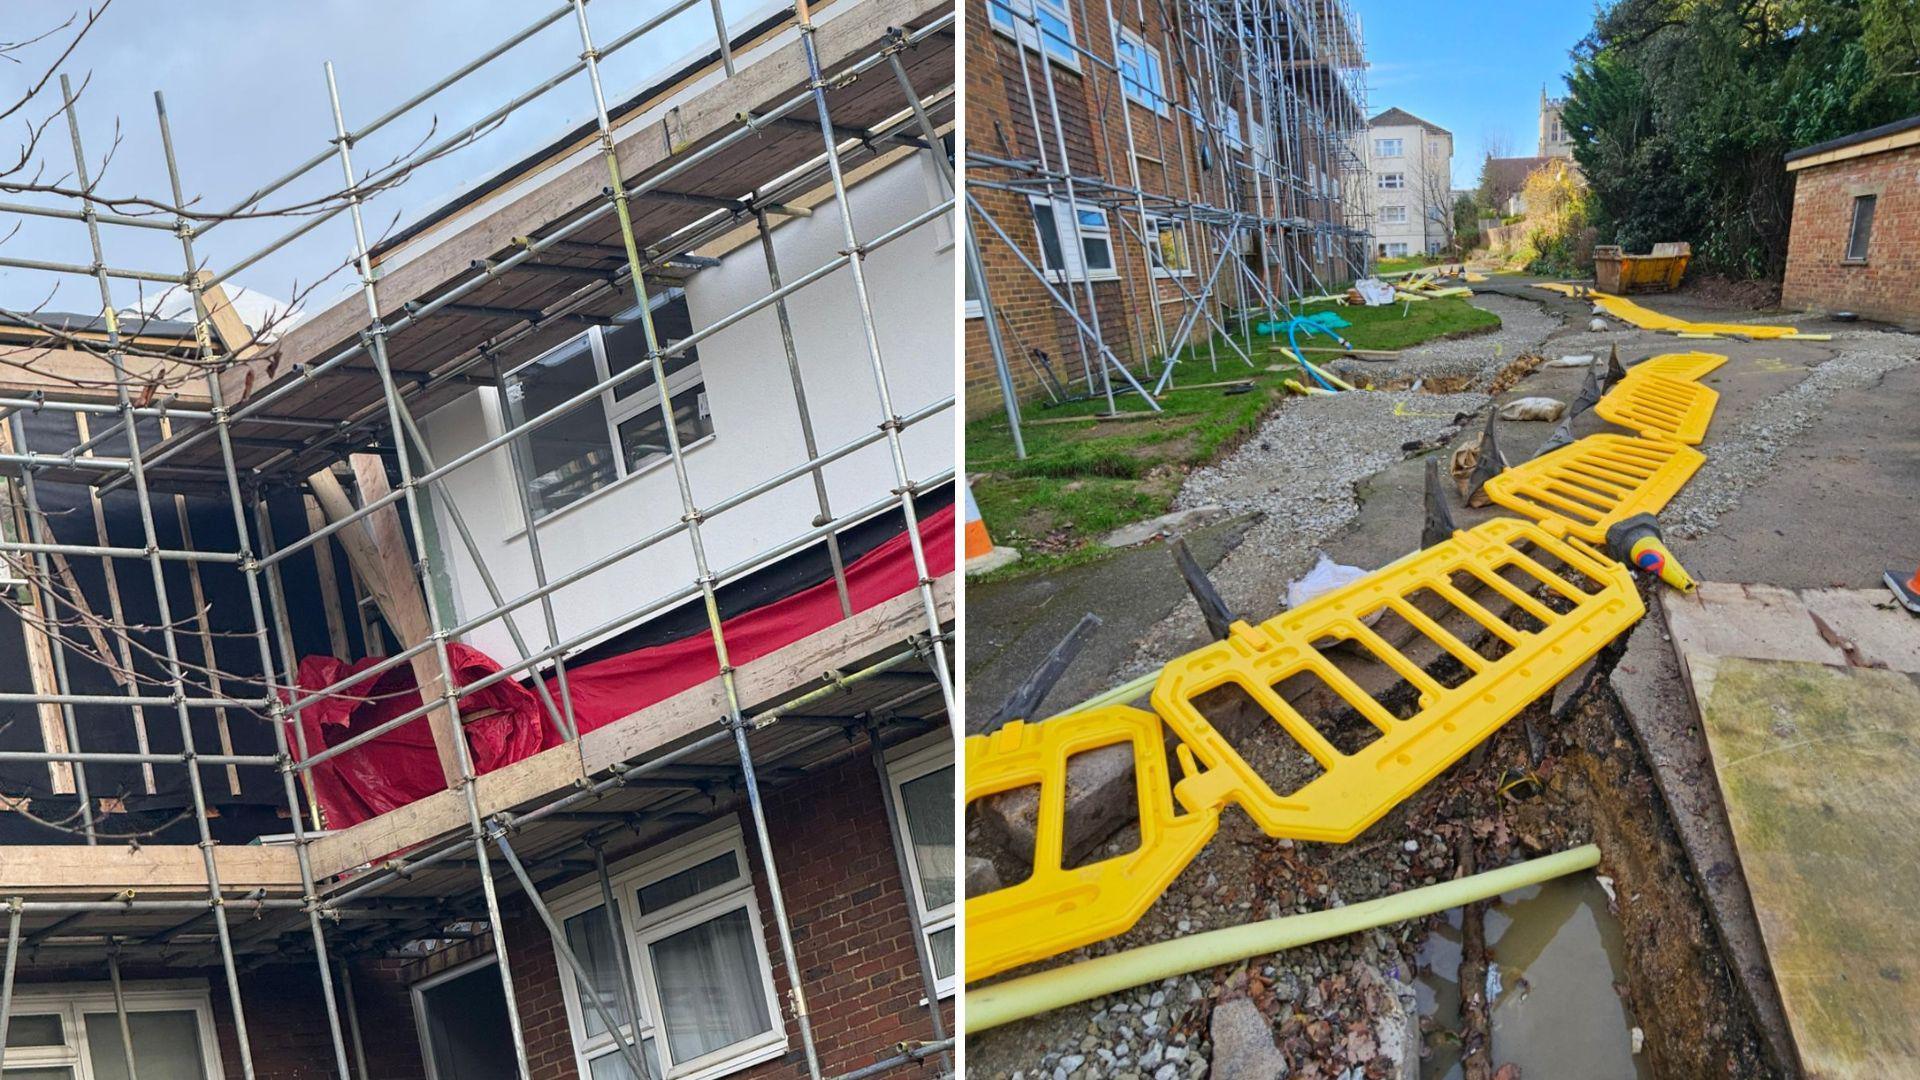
(870, 85)
(1270, 102)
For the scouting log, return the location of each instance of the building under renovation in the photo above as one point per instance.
(1142, 177)
(535, 663)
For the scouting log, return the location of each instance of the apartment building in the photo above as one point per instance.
(1411, 198)
(535, 662)
(1139, 175)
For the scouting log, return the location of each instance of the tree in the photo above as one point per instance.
(1466, 223)
(1680, 112)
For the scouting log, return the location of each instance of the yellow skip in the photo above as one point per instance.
(1056, 909)
(1583, 489)
(1592, 600)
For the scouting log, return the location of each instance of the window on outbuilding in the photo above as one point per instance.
(1862, 232)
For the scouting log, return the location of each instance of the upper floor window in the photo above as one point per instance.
(1047, 22)
(920, 784)
(617, 432)
(1393, 181)
(1091, 257)
(1140, 75)
(1436, 148)
(686, 934)
(1388, 147)
(1393, 215)
(72, 1032)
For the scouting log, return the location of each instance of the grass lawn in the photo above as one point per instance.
(1083, 479)
(1408, 262)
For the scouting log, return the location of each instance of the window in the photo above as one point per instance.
(462, 1017)
(619, 432)
(1055, 25)
(688, 929)
(1167, 245)
(1861, 235)
(1393, 181)
(1393, 215)
(1091, 258)
(1436, 148)
(1388, 147)
(72, 1032)
(1140, 71)
(1234, 137)
(921, 786)
(1394, 251)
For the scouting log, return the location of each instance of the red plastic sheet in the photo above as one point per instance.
(506, 722)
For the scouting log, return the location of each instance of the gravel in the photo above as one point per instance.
(1524, 325)
(1736, 459)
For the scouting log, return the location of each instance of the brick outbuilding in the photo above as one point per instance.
(1855, 244)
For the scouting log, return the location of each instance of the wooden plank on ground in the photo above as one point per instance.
(1819, 765)
(155, 870)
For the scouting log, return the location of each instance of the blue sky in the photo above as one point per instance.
(1475, 70)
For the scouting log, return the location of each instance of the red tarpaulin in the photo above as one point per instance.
(506, 721)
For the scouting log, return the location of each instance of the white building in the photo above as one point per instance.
(1411, 202)
(605, 474)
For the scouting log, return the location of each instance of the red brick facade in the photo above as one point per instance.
(1006, 94)
(1820, 277)
(851, 932)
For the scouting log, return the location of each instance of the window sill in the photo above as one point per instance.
(1853, 262)
(744, 1060)
(651, 466)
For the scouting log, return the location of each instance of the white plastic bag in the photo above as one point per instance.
(1374, 292)
(1325, 577)
(1533, 408)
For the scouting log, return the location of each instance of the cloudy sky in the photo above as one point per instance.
(246, 96)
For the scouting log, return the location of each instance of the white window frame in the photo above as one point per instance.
(1388, 217)
(72, 1001)
(1389, 148)
(1393, 181)
(628, 877)
(905, 764)
(1152, 233)
(1152, 96)
(1017, 27)
(1074, 253)
(616, 411)
(1387, 249)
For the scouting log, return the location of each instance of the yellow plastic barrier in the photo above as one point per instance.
(1648, 319)
(1660, 408)
(1685, 366)
(1355, 788)
(1058, 909)
(1584, 488)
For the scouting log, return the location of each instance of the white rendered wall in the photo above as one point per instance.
(756, 427)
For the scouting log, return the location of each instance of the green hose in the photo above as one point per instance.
(1031, 995)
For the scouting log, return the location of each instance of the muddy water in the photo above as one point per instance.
(1558, 953)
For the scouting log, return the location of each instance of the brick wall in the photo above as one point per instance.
(851, 935)
(1819, 277)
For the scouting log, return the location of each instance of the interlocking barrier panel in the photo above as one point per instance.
(1659, 407)
(1568, 601)
(1686, 366)
(1585, 487)
(1058, 908)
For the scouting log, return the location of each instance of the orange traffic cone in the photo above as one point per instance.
(981, 555)
(1906, 591)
